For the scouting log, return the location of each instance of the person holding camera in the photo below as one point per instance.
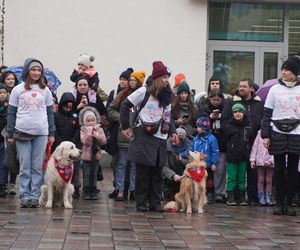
(183, 109)
(213, 106)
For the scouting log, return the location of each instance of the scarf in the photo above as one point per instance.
(289, 84)
(65, 172)
(196, 174)
(164, 96)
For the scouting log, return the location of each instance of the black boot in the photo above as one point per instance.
(231, 198)
(242, 198)
(76, 193)
(290, 210)
(113, 194)
(279, 207)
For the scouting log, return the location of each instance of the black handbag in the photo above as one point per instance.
(286, 125)
(150, 128)
(111, 145)
(10, 159)
(18, 135)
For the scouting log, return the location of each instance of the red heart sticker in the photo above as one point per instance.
(33, 94)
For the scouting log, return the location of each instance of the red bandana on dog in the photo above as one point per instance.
(65, 172)
(196, 174)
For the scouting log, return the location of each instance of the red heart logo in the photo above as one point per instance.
(33, 94)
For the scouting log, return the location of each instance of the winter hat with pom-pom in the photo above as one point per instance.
(85, 60)
(140, 76)
(126, 74)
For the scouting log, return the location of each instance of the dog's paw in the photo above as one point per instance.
(200, 211)
(189, 211)
(48, 204)
(68, 205)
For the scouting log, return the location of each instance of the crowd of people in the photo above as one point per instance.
(252, 145)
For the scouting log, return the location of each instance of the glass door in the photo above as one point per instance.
(271, 60)
(231, 64)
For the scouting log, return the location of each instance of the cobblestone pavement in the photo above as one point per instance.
(108, 224)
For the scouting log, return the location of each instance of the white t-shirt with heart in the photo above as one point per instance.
(32, 105)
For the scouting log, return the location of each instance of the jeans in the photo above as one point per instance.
(220, 175)
(120, 167)
(31, 157)
(87, 172)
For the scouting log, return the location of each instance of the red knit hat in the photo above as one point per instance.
(159, 69)
(178, 79)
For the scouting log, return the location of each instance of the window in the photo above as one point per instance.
(246, 22)
(294, 30)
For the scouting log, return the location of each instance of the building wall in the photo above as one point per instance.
(118, 33)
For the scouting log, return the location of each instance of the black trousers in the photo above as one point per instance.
(148, 185)
(251, 182)
(285, 185)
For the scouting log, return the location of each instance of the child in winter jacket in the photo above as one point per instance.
(264, 162)
(92, 137)
(237, 138)
(206, 143)
(67, 129)
(85, 66)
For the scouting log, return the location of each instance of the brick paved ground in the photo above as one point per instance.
(108, 224)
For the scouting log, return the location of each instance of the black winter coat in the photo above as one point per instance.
(67, 125)
(237, 138)
(254, 108)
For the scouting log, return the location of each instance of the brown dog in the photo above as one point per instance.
(192, 194)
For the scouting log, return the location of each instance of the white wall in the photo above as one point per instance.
(118, 33)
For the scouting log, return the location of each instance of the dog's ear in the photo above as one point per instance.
(202, 156)
(58, 152)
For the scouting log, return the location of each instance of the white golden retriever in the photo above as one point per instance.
(58, 189)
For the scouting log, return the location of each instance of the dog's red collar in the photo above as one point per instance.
(65, 172)
(196, 174)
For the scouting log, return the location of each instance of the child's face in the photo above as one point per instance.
(90, 121)
(10, 81)
(3, 94)
(183, 96)
(82, 67)
(35, 74)
(238, 115)
(68, 106)
(200, 131)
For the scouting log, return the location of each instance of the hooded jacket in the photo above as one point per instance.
(207, 144)
(67, 123)
(86, 136)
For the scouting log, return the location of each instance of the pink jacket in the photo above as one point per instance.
(260, 154)
(86, 137)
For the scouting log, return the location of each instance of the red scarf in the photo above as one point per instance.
(196, 174)
(65, 172)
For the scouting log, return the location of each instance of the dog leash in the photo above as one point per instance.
(48, 154)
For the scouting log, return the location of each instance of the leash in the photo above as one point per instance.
(48, 154)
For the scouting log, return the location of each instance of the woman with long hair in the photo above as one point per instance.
(30, 124)
(136, 81)
(148, 148)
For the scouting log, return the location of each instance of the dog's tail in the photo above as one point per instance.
(170, 206)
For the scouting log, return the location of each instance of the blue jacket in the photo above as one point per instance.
(208, 145)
